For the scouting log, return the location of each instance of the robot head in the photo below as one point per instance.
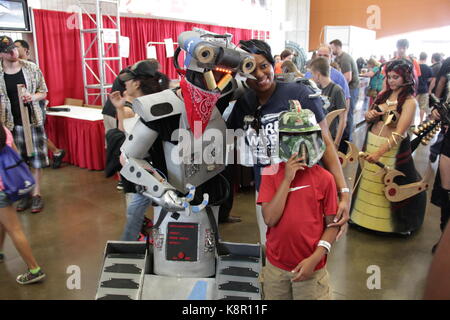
(211, 63)
(299, 133)
(255, 46)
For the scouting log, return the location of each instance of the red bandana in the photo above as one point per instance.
(199, 105)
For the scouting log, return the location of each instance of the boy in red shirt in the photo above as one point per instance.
(299, 199)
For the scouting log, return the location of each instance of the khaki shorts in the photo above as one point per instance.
(423, 101)
(277, 285)
(109, 122)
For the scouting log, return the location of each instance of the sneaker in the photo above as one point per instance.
(37, 204)
(119, 185)
(28, 277)
(24, 204)
(57, 159)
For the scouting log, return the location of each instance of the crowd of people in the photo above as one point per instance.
(295, 245)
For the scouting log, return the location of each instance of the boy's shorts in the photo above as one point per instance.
(4, 200)
(40, 158)
(277, 285)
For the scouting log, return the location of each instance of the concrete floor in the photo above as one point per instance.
(84, 210)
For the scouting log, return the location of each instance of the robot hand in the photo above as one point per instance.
(158, 189)
(172, 202)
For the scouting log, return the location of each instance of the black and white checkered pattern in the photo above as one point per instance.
(39, 158)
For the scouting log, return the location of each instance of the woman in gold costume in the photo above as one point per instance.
(387, 142)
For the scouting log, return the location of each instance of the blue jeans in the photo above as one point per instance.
(354, 95)
(135, 217)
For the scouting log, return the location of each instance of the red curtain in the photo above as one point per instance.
(60, 54)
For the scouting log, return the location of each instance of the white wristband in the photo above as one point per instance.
(325, 244)
(344, 190)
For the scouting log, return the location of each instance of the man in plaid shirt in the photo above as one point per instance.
(14, 71)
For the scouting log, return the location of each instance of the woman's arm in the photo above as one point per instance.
(438, 287)
(440, 87)
(405, 121)
(332, 164)
(432, 85)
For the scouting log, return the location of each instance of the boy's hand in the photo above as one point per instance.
(305, 269)
(292, 166)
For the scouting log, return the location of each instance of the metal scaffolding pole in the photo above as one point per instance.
(98, 87)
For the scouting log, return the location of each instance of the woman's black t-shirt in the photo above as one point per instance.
(269, 113)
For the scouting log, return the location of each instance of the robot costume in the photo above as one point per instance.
(186, 137)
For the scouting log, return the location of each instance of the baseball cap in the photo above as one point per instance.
(143, 68)
(6, 44)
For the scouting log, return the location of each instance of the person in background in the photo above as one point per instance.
(10, 224)
(277, 58)
(426, 74)
(58, 154)
(24, 49)
(436, 63)
(402, 48)
(141, 79)
(336, 66)
(286, 55)
(350, 71)
(110, 112)
(334, 94)
(436, 60)
(15, 71)
(338, 78)
(376, 79)
(289, 67)
(441, 189)
(361, 63)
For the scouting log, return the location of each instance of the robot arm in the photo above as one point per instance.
(142, 173)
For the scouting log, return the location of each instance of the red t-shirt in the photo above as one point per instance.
(278, 69)
(295, 237)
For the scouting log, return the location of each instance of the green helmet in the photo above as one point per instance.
(300, 133)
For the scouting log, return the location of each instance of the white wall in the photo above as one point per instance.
(232, 13)
(297, 22)
(277, 34)
(285, 19)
